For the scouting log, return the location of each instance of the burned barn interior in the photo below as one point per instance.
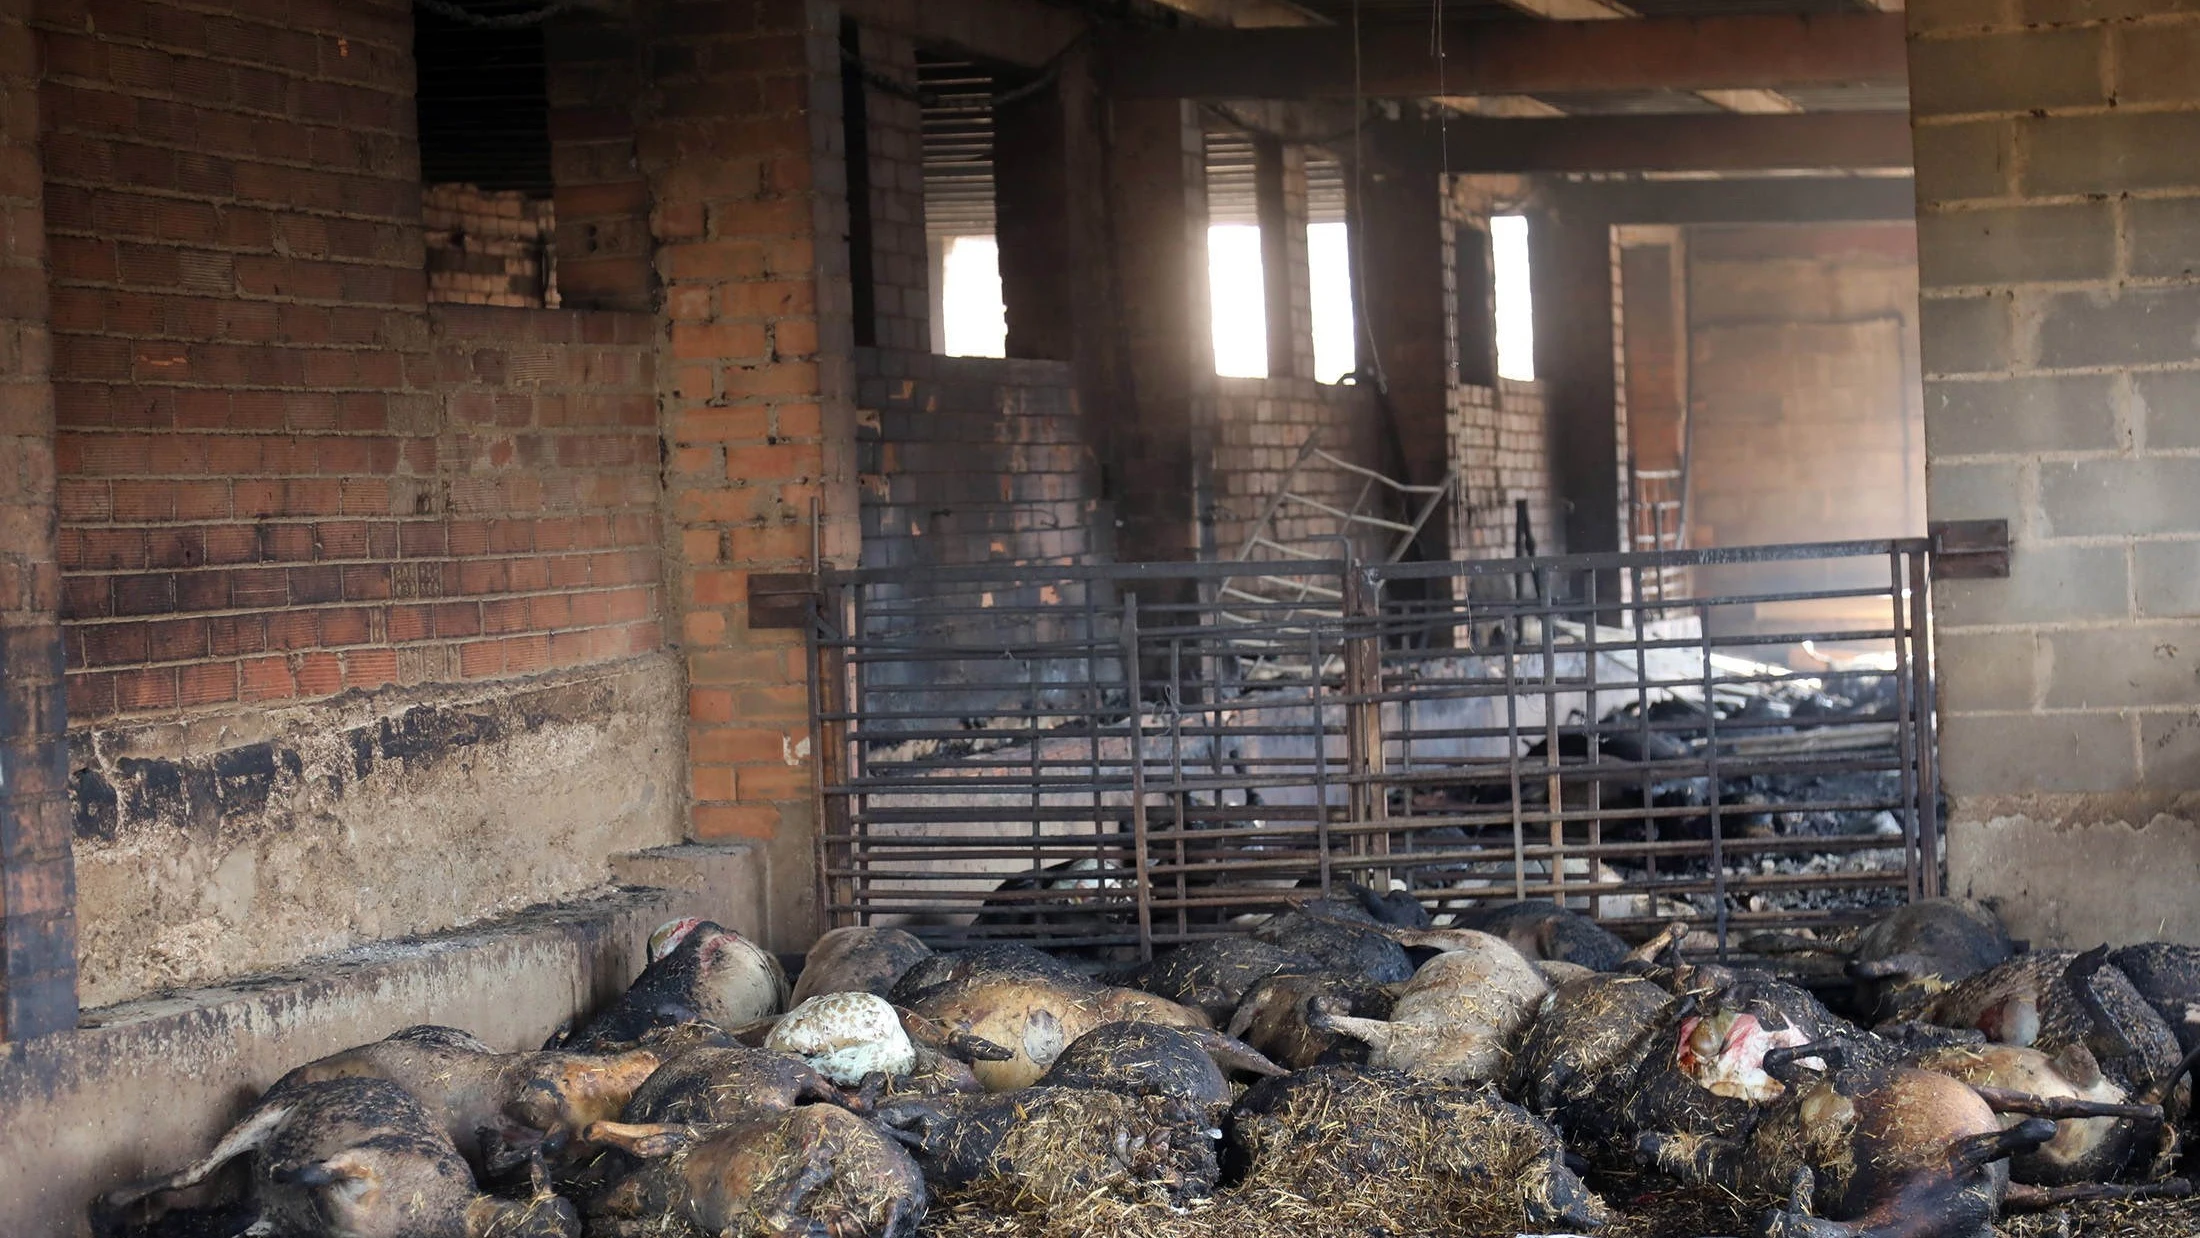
(1030, 618)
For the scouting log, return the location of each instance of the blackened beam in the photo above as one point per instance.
(1709, 142)
(1754, 200)
(1770, 52)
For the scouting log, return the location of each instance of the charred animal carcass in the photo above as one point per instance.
(1034, 1019)
(1546, 932)
(1880, 1152)
(491, 1104)
(1903, 958)
(2167, 975)
(857, 960)
(1148, 1059)
(2051, 999)
(1458, 1018)
(706, 974)
(1216, 974)
(814, 1170)
(353, 1158)
(1276, 1016)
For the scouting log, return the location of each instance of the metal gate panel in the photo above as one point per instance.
(1115, 758)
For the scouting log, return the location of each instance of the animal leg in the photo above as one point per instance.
(647, 1141)
(1326, 1014)
(2041, 1197)
(1230, 1053)
(1786, 1064)
(108, 1211)
(785, 1216)
(2006, 1100)
(1973, 1151)
(2107, 1040)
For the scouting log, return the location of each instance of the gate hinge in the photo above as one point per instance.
(782, 599)
(1970, 549)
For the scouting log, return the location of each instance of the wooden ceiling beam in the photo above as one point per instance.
(1755, 52)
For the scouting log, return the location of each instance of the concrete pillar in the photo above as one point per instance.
(602, 242)
(1279, 187)
(1156, 447)
(1570, 268)
(741, 146)
(37, 881)
(2058, 206)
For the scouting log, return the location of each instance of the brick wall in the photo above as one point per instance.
(974, 460)
(298, 501)
(489, 248)
(600, 200)
(37, 943)
(756, 388)
(900, 261)
(1501, 453)
(1260, 426)
(2058, 206)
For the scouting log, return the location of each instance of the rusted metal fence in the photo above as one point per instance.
(1118, 758)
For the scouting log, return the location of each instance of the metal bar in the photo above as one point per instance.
(1904, 732)
(1711, 782)
(1142, 859)
(1922, 657)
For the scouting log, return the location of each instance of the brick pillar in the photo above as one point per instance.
(1279, 187)
(1398, 223)
(901, 292)
(1570, 267)
(2058, 209)
(37, 882)
(1034, 223)
(1157, 448)
(740, 144)
(602, 242)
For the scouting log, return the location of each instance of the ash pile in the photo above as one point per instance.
(1339, 1069)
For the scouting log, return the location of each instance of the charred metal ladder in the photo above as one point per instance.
(1308, 594)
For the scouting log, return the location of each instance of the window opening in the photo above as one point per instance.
(484, 120)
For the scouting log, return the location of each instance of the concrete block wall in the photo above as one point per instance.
(1804, 400)
(756, 388)
(2058, 203)
(37, 884)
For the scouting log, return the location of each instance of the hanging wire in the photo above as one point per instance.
(501, 21)
(1357, 230)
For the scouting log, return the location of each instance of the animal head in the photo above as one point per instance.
(561, 1093)
(670, 934)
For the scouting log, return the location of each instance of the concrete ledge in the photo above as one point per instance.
(146, 1085)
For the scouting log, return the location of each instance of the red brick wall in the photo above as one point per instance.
(37, 938)
(757, 390)
(281, 476)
